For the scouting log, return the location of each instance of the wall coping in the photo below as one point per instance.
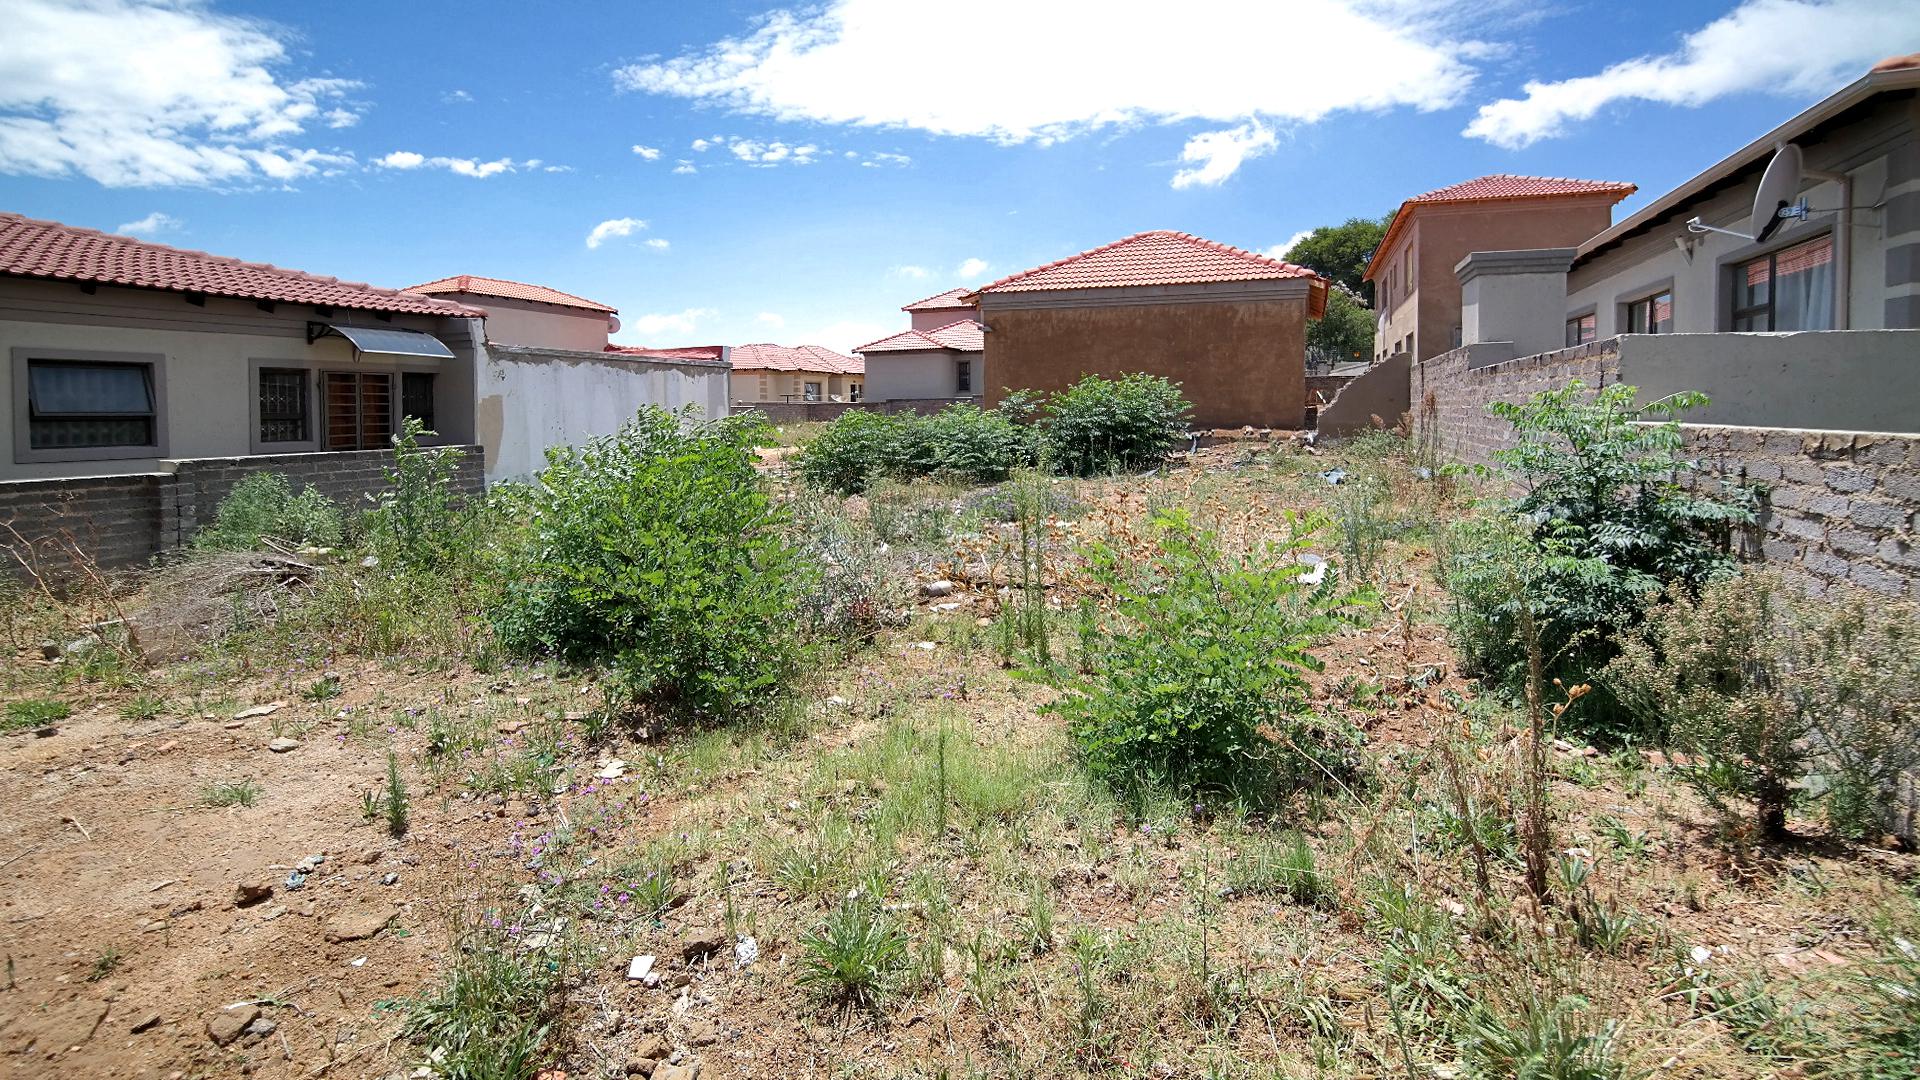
(1528, 261)
(542, 352)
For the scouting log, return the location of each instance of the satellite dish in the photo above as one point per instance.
(613, 324)
(1774, 202)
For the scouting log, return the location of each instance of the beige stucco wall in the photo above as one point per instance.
(207, 355)
(934, 320)
(546, 326)
(893, 376)
(530, 400)
(757, 384)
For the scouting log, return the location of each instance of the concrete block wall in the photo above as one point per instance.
(124, 521)
(1836, 506)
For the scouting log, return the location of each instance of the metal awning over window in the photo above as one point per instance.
(385, 340)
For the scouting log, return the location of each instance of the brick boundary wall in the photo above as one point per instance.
(123, 521)
(1836, 506)
(800, 412)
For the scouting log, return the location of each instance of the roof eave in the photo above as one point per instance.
(1855, 93)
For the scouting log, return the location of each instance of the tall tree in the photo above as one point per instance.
(1345, 332)
(1340, 252)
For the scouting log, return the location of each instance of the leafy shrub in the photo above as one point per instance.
(1602, 525)
(1204, 649)
(656, 551)
(1098, 427)
(33, 713)
(1767, 685)
(961, 441)
(981, 446)
(264, 505)
(850, 597)
(852, 452)
(490, 1015)
(419, 520)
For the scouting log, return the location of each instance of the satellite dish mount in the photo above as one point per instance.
(1777, 200)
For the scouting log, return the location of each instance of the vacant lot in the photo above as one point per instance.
(308, 842)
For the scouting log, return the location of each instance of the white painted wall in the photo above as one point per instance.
(530, 400)
(545, 326)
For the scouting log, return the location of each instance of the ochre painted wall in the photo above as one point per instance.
(1240, 362)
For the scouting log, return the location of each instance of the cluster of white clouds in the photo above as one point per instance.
(616, 228)
(679, 325)
(1245, 70)
(134, 93)
(971, 269)
(153, 224)
(1282, 250)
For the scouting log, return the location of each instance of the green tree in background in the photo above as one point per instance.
(1345, 331)
(1339, 253)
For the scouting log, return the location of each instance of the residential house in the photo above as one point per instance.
(1416, 297)
(934, 360)
(1228, 325)
(766, 373)
(550, 376)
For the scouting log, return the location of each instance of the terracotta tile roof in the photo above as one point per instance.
(765, 357)
(681, 352)
(962, 336)
(1150, 258)
(56, 252)
(1493, 188)
(509, 290)
(951, 300)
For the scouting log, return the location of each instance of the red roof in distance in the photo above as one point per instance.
(1495, 188)
(681, 352)
(951, 300)
(1161, 257)
(962, 336)
(768, 357)
(51, 251)
(508, 290)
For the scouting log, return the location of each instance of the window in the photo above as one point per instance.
(963, 376)
(84, 404)
(1789, 289)
(416, 397)
(813, 391)
(1580, 329)
(283, 406)
(1652, 314)
(359, 410)
(855, 390)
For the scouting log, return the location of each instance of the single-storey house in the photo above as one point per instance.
(940, 362)
(1227, 324)
(1417, 298)
(765, 372)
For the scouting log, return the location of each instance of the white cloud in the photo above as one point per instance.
(911, 271)
(1225, 61)
(1280, 251)
(880, 159)
(457, 97)
(972, 269)
(658, 244)
(142, 93)
(479, 170)
(678, 323)
(341, 118)
(768, 318)
(613, 227)
(700, 145)
(1797, 47)
(151, 225)
(685, 168)
(765, 155)
(647, 153)
(1213, 156)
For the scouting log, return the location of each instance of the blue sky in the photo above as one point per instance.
(752, 172)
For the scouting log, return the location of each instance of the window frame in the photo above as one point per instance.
(309, 418)
(963, 376)
(812, 390)
(1737, 265)
(24, 452)
(429, 421)
(1646, 295)
(1576, 318)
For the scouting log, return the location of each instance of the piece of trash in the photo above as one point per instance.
(925, 645)
(745, 952)
(1423, 473)
(295, 880)
(1316, 569)
(358, 961)
(258, 711)
(390, 879)
(641, 970)
(1334, 476)
(611, 769)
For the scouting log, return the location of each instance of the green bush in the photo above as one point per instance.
(978, 445)
(1098, 427)
(656, 551)
(420, 521)
(855, 450)
(1602, 525)
(962, 441)
(1768, 685)
(1200, 678)
(264, 506)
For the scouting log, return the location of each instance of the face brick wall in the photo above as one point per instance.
(122, 521)
(1836, 506)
